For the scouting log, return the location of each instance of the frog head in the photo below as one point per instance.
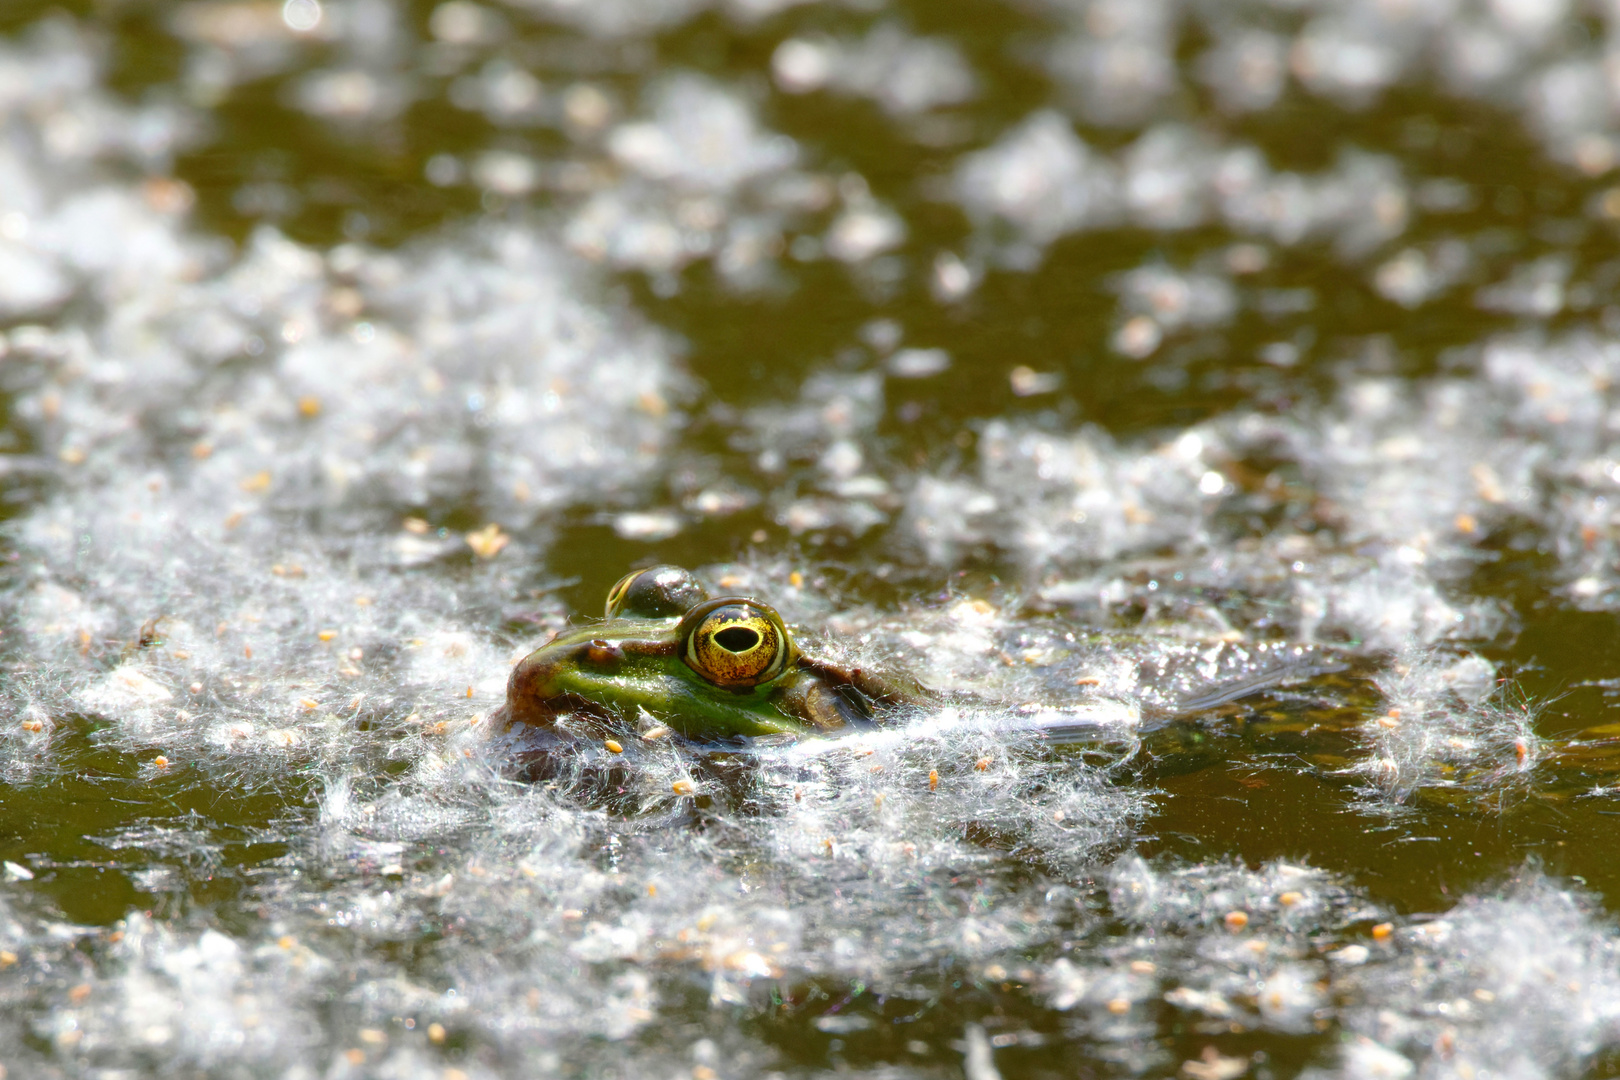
(706, 667)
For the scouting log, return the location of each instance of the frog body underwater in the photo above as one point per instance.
(707, 668)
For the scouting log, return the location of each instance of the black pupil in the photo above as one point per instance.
(736, 639)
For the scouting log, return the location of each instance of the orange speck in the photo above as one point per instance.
(613, 746)
(469, 691)
(259, 481)
(355, 1056)
(34, 725)
(247, 651)
(982, 764)
(161, 762)
(201, 450)
(1289, 899)
(487, 542)
(1236, 920)
(167, 196)
(309, 406)
(1119, 1006)
(652, 890)
(652, 403)
(1382, 931)
(79, 993)
(416, 525)
(933, 779)
(796, 580)
(1088, 680)
(327, 635)
(683, 787)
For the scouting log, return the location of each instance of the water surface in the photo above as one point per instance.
(1091, 359)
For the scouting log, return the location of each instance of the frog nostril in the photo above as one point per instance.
(737, 639)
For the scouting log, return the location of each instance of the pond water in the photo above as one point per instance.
(1221, 400)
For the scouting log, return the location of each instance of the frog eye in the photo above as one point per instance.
(658, 592)
(735, 643)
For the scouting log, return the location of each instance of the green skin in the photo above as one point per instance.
(618, 667)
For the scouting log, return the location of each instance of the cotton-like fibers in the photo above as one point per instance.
(58, 131)
(566, 926)
(449, 349)
(1041, 181)
(1446, 725)
(1117, 60)
(1402, 489)
(904, 74)
(1036, 183)
(269, 615)
(1416, 275)
(1165, 177)
(631, 18)
(1078, 498)
(1246, 67)
(250, 451)
(1357, 205)
(703, 180)
(1520, 981)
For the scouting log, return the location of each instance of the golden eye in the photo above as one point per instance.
(658, 592)
(616, 594)
(735, 643)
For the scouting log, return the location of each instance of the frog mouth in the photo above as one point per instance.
(557, 712)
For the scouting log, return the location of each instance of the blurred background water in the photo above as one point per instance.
(1091, 357)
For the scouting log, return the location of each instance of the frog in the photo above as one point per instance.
(706, 667)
